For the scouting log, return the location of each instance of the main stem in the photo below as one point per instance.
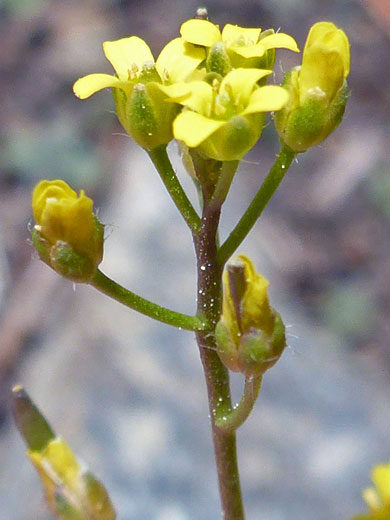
(217, 378)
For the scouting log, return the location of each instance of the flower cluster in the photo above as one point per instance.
(205, 89)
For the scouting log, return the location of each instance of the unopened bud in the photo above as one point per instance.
(318, 89)
(67, 235)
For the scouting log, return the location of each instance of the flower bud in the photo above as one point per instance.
(72, 492)
(67, 235)
(250, 335)
(318, 89)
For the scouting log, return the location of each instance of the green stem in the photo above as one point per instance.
(107, 286)
(237, 416)
(256, 207)
(216, 375)
(163, 165)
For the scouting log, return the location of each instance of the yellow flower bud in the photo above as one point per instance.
(72, 492)
(250, 334)
(318, 89)
(67, 235)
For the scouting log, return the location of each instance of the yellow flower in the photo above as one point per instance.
(378, 498)
(250, 334)
(67, 235)
(318, 89)
(246, 47)
(142, 87)
(224, 120)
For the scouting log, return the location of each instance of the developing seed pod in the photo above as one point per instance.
(250, 335)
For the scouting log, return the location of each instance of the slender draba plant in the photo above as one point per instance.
(210, 91)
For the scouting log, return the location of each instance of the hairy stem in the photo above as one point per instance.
(216, 375)
(229, 422)
(102, 283)
(256, 207)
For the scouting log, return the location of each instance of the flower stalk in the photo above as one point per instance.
(258, 204)
(216, 375)
(104, 284)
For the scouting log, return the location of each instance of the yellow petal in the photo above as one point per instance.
(175, 92)
(381, 479)
(200, 98)
(321, 69)
(234, 33)
(200, 32)
(88, 85)
(252, 51)
(333, 38)
(267, 99)
(318, 31)
(193, 128)
(178, 60)
(56, 189)
(126, 53)
(280, 41)
(241, 83)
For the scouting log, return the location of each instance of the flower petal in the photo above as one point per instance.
(193, 128)
(321, 69)
(333, 38)
(125, 53)
(200, 32)
(175, 92)
(241, 83)
(280, 41)
(200, 98)
(267, 99)
(88, 85)
(232, 34)
(178, 60)
(252, 51)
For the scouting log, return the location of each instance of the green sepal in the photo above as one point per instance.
(41, 246)
(258, 352)
(31, 424)
(70, 264)
(218, 60)
(226, 347)
(235, 138)
(150, 116)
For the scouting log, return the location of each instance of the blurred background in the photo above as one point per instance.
(128, 394)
